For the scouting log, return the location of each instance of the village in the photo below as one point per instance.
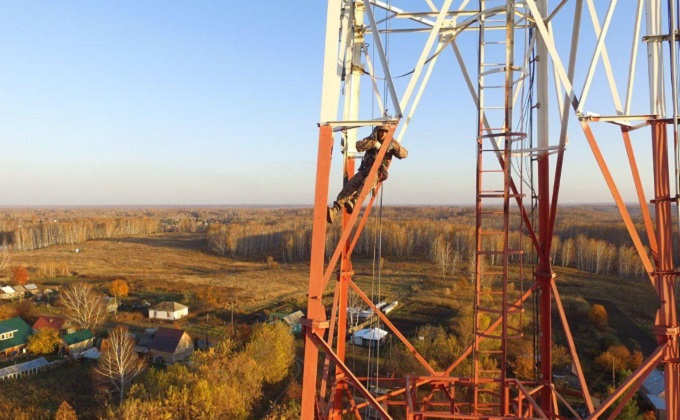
(35, 342)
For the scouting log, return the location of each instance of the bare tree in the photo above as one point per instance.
(118, 364)
(83, 305)
(5, 256)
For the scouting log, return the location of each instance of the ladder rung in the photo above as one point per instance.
(500, 195)
(493, 42)
(489, 310)
(492, 212)
(490, 351)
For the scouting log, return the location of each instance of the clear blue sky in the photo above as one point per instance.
(175, 102)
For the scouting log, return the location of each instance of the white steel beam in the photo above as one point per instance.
(633, 58)
(332, 68)
(576, 29)
(376, 90)
(550, 44)
(542, 90)
(434, 32)
(596, 55)
(384, 63)
(657, 96)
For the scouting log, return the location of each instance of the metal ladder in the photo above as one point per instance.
(494, 298)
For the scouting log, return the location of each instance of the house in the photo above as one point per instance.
(20, 291)
(293, 321)
(7, 292)
(77, 342)
(14, 333)
(653, 390)
(31, 288)
(57, 323)
(369, 337)
(23, 369)
(170, 345)
(169, 311)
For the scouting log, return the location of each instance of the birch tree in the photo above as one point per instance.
(83, 305)
(119, 364)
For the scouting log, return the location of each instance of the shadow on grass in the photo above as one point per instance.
(185, 241)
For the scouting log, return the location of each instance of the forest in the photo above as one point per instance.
(211, 257)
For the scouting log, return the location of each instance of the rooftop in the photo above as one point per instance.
(23, 367)
(77, 337)
(23, 330)
(166, 340)
(168, 306)
(53, 322)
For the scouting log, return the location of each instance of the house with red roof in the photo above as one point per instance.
(55, 323)
(170, 345)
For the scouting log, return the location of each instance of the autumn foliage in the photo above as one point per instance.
(618, 357)
(19, 275)
(119, 289)
(44, 341)
(598, 316)
(272, 346)
(66, 412)
(222, 382)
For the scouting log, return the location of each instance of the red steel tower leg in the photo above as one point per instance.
(344, 279)
(544, 277)
(664, 278)
(316, 316)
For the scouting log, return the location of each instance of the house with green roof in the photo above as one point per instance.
(77, 342)
(14, 333)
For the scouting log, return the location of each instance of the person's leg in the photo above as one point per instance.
(347, 196)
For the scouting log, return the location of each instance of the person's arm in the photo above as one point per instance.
(399, 151)
(366, 144)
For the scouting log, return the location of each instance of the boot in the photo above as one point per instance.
(349, 206)
(332, 213)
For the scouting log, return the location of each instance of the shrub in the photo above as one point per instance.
(598, 315)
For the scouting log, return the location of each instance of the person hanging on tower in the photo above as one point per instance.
(347, 198)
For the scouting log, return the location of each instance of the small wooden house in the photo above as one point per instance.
(169, 311)
(170, 345)
(77, 342)
(7, 292)
(14, 333)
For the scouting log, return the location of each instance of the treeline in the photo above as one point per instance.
(44, 234)
(592, 240)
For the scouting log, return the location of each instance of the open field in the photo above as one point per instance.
(174, 262)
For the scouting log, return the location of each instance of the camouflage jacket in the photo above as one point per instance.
(371, 147)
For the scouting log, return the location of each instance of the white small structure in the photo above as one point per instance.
(389, 308)
(23, 369)
(168, 311)
(368, 337)
(7, 292)
(31, 288)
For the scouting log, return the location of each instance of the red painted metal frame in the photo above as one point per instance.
(661, 273)
(659, 268)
